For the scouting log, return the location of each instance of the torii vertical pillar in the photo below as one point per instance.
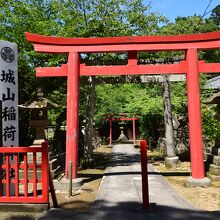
(72, 133)
(194, 117)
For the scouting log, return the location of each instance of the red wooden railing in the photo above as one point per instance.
(24, 174)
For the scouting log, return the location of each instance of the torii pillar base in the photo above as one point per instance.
(192, 182)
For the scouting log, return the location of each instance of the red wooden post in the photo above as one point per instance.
(7, 177)
(72, 132)
(110, 131)
(134, 131)
(25, 175)
(144, 173)
(16, 161)
(45, 164)
(1, 185)
(132, 58)
(194, 114)
(34, 174)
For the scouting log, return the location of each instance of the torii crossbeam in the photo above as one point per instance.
(132, 45)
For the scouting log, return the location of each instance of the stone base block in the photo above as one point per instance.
(213, 177)
(215, 170)
(216, 160)
(63, 184)
(192, 182)
(110, 145)
(171, 162)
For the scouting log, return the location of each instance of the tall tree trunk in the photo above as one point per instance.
(169, 132)
(90, 113)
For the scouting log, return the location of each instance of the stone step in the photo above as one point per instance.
(213, 177)
(214, 170)
(216, 160)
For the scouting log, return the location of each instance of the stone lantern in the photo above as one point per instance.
(39, 117)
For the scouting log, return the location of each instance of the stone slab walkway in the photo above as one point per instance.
(120, 197)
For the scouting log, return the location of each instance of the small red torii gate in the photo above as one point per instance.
(131, 44)
(122, 117)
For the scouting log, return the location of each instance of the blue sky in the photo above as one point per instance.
(174, 8)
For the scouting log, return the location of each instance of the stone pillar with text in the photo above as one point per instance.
(9, 100)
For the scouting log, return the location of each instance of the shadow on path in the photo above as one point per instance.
(121, 212)
(123, 159)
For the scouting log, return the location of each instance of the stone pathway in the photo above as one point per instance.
(119, 196)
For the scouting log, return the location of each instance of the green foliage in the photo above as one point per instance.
(79, 18)
(147, 99)
(215, 15)
(144, 100)
(96, 18)
(211, 126)
(189, 25)
(178, 97)
(133, 98)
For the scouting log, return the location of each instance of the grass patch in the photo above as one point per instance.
(155, 156)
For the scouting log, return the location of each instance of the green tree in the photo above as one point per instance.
(215, 15)
(191, 25)
(79, 18)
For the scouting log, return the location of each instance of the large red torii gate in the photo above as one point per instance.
(132, 44)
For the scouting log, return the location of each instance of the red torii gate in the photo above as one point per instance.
(122, 117)
(132, 44)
